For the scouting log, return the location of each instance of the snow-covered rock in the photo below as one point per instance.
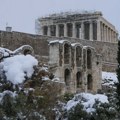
(18, 67)
(87, 100)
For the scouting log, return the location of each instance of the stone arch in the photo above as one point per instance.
(67, 76)
(89, 58)
(25, 49)
(78, 79)
(78, 56)
(89, 82)
(67, 52)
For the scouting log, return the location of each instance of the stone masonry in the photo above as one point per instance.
(87, 26)
(77, 65)
(76, 46)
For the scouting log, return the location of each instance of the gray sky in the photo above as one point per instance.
(21, 14)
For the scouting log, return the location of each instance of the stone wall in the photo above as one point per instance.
(13, 40)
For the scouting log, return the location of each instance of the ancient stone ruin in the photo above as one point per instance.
(76, 46)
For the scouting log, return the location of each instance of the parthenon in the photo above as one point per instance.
(87, 26)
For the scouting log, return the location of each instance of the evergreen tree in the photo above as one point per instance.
(118, 76)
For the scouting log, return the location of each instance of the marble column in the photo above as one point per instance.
(112, 36)
(65, 29)
(98, 31)
(41, 30)
(48, 32)
(107, 39)
(82, 30)
(74, 30)
(91, 30)
(57, 30)
(101, 26)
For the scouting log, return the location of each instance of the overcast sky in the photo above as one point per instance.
(21, 14)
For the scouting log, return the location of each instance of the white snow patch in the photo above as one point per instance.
(87, 100)
(17, 67)
(109, 78)
(53, 41)
(5, 52)
(12, 94)
(57, 41)
(109, 75)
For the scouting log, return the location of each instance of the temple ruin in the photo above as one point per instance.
(87, 26)
(76, 46)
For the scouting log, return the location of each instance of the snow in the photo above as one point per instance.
(109, 75)
(18, 67)
(57, 41)
(12, 94)
(109, 78)
(73, 44)
(54, 41)
(45, 78)
(20, 48)
(87, 100)
(5, 52)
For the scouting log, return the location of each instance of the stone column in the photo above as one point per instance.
(109, 34)
(74, 30)
(41, 30)
(57, 30)
(65, 29)
(113, 36)
(104, 33)
(48, 32)
(107, 39)
(101, 26)
(98, 31)
(91, 30)
(82, 30)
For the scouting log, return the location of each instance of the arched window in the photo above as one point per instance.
(78, 79)
(89, 62)
(89, 82)
(66, 54)
(78, 56)
(67, 77)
